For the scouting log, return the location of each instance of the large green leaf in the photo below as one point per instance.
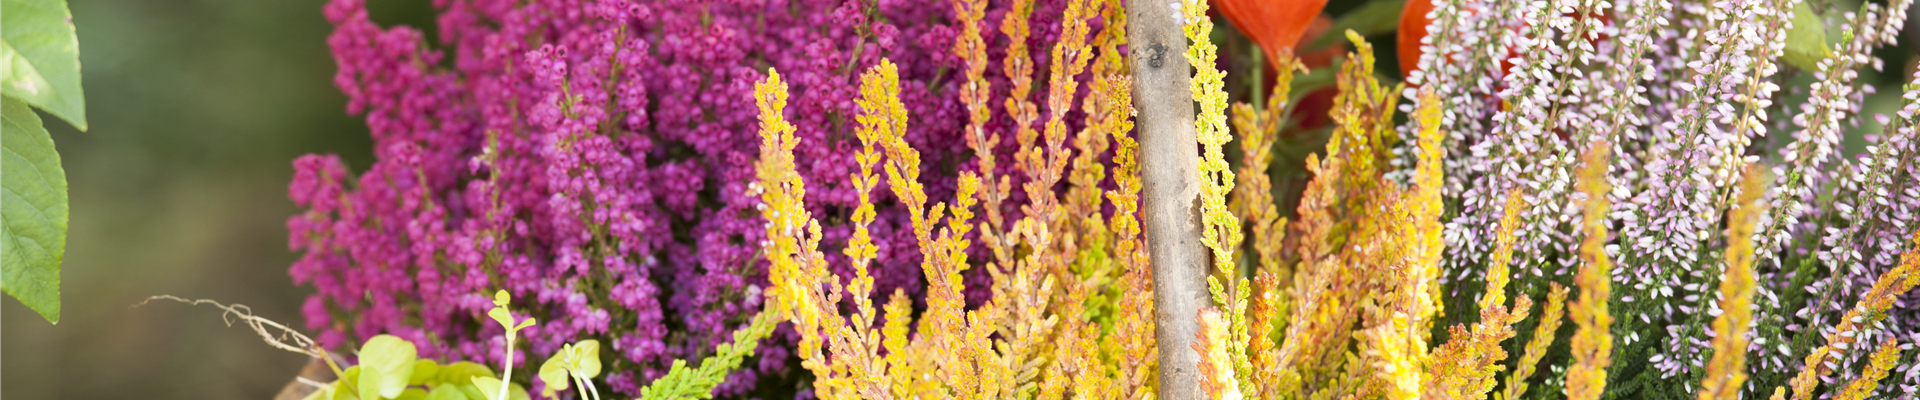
(33, 211)
(386, 363)
(41, 58)
(1807, 41)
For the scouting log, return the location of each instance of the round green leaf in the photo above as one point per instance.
(515, 392)
(554, 373)
(447, 392)
(33, 210)
(370, 384)
(412, 394)
(424, 371)
(586, 355)
(472, 391)
(392, 359)
(1807, 41)
(489, 386)
(342, 394)
(42, 58)
(461, 373)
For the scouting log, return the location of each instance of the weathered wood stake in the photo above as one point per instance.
(1169, 164)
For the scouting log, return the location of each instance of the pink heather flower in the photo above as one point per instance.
(592, 157)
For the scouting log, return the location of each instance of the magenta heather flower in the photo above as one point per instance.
(592, 158)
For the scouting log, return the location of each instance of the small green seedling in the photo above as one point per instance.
(578, 361)
(505, 318)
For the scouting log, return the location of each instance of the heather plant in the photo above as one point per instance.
(594, 157)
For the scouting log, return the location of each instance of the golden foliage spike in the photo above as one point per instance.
(1498, 270)
(912, 373)
(1465, 366)
(1426, 209)
(1727, 371)
(1018, 67)
(1861, 388)
(1023, 323)
(874, 120)
(1221, 230)
(1216, 372)
(1405, 239)
(1363, 114)
(1084, 197)
(1593, 341)
(1313, 331)
(798, 268)
(1138, 356)
(1543, 335)
(1359, 244)
(1069, 59)
(972, 50)
(1052, 232)
(1871, 309)
(1254, 203)
(944, 256)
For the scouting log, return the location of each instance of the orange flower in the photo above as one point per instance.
(1274, 24)
(1413, 27)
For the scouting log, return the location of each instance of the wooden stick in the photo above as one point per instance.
(1169, 167)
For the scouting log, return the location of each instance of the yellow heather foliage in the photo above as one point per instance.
(1871, 309)
(1543, 336)
(1883, 359)
(1220, 231)
(912, 376)
(1260, 128)
(1136, 355)
(798, 268)
(1363, 114)
(972, 50)
(942, 257)
(1410, 232)
(1364, 251)
(1465, 366)
(1318, 324)
(1254, 203)
(1034, 339)
(1498, 273)
(1593, 341)
(1727, 371)
(1018, 67)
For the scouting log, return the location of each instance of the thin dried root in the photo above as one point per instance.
(287, 339)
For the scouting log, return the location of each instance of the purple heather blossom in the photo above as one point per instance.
(592, 157)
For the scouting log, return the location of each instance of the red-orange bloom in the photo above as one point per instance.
(1413, 27)
(1274, 24)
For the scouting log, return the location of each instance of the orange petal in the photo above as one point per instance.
(1273, 24)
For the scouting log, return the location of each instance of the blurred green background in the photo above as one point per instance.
(197, 108)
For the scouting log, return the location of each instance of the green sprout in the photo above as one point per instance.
(505, 318)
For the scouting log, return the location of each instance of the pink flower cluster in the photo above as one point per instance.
(593, 157)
